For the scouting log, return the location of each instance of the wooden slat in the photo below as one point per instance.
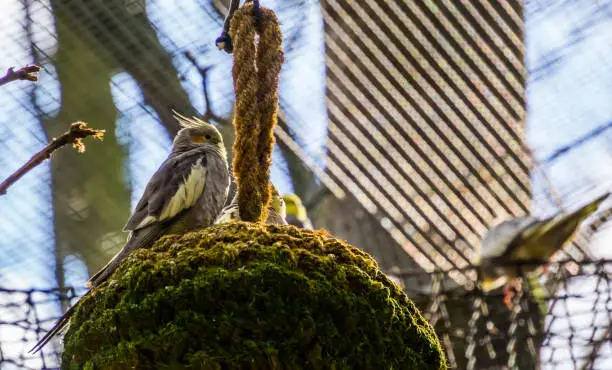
(426, 106)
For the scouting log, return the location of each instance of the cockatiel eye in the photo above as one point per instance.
(200, 138)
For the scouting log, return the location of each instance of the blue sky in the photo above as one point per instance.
(569, 92)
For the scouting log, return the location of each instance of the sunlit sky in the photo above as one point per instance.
(569, 93)
(569, 51)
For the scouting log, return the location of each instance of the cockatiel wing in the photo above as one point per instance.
(495, 247)
(501, 239)
(228, 214)
(175, 187)
(543, 239)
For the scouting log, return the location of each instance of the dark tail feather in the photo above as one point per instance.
(560, 230)
(570, 223)
(107, 270)
(59, 325)
(141, 238)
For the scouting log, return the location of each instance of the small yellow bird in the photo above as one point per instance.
(526, 240)
(276, 210)
(296, 212)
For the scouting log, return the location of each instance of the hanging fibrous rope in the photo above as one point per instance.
(257, 65)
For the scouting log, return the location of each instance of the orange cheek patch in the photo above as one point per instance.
(198, 139)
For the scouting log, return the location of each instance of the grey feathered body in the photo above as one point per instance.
(528, 240)
(302, 224)
(275, 218)
(210, 204)
(498, 243)
(146, 223)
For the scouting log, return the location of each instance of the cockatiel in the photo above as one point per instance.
(276, 210)
(529, 240)
(296, 212)
(187, 192)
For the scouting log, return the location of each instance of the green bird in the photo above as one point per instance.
(528, 240)
(296, 212)
(187, 192)
(276, 210)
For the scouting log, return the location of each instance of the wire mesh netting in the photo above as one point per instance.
(24, 316)
(574, 333)
(402, 125)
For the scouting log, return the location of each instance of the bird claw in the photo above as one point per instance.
(510, 291)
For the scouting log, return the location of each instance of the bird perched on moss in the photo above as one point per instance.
(296, 212)
(526, 240)
(187, 192)
(276, 210)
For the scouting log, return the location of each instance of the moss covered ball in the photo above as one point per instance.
(247, 296)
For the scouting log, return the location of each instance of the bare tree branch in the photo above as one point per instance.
(78, 131)
(25, 73)
(203, 73)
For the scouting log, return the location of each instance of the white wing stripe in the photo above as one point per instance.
(146, 221)
(229, 214)
(185, 197)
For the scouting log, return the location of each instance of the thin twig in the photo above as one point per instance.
(78, 131)
(25, 73)
(208, 114)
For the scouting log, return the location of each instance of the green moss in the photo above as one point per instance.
(246, 296)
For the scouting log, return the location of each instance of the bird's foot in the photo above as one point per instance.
(510, 291)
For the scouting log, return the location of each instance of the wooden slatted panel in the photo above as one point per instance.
(426, 104)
